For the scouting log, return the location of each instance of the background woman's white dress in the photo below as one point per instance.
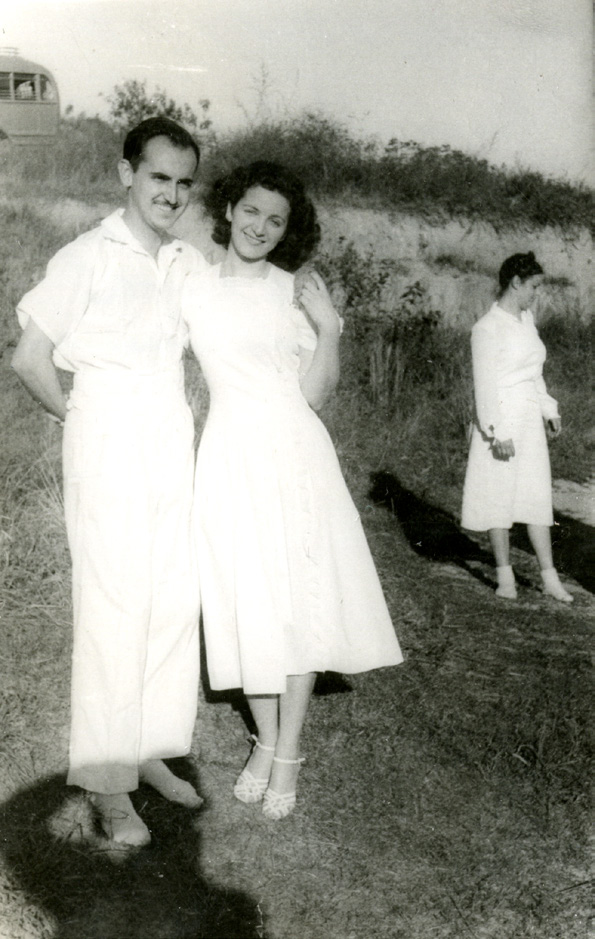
(511, 402)
(288, 584)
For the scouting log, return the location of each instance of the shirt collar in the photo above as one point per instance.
(499, 311)
(115, 228)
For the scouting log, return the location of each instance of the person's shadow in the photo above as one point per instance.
(573, 547)
(429, 530)
(60, 867)
(435, 534)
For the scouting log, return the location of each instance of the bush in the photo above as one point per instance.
(27, 243)
(435, 182)
(130, 104)
(392, 333)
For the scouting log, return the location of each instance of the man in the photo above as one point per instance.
(108, 310)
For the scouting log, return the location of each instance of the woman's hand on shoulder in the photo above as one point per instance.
(317, 303)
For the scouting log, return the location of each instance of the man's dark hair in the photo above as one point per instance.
(137, 138)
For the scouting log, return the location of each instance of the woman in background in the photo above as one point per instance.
(508, 476)
(288, 584)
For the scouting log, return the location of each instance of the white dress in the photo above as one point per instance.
(511, 402)
(288, 585)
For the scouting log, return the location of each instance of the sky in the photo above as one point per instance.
(506, 80)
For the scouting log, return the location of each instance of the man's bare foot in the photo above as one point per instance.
(118, 819)
(157, 775)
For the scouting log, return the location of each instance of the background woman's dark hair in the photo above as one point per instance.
(303, 230)
(518, 265)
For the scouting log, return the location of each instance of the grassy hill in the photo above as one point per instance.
(431, 182)
(446, 798)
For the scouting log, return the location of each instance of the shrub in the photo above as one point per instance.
(391, 332)
(130, 103)
(435, 182)
(568, 374)
(450, 182)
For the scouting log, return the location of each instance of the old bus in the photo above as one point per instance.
(29, 105)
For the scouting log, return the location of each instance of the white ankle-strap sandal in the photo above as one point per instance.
(249, 788)
(278, 805)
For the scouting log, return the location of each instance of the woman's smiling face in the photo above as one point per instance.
(258, 223)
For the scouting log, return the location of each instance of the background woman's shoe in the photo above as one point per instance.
(506, 588)
(553, 588)
(506, 593)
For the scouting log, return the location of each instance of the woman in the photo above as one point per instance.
(508, 474)
(288, 584)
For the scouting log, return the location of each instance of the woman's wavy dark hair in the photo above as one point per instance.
(303, 231)
(518, 265)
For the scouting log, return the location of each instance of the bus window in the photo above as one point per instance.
(29, 100)
(46, 88)
(24, 87)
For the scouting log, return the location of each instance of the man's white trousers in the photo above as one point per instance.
(128, 476)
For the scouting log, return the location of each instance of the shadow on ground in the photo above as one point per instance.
(430, 531)
(435, 534)
(573, 543)
(65, 870)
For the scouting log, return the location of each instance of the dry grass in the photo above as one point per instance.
(444, 798)
(447, 797)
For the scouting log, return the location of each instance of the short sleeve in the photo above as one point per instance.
(306, 334)
(59, 301)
